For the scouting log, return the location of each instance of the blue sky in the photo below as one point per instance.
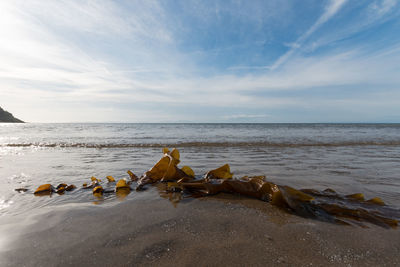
(201, 61)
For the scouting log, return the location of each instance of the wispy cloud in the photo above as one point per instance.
(383, 7)
(363, 17)
(329, 12)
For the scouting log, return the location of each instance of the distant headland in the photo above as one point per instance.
(6, 116)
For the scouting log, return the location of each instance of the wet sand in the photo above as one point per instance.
(212, 231)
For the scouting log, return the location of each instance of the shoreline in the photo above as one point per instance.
(219, 230)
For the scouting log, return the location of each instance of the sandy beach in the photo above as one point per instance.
(199, 133)
(212, 231)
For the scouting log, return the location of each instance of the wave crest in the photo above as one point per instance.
(203, 144)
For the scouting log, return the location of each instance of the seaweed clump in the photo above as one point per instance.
(326, 205)
(48, 189)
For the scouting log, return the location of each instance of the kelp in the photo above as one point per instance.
(325, 205)
(176, 183)
(223, 172)
(61, 188)
(133, 177)
(188, 171)
(21, 190)
(44, 189)
(164, 170)
(70, 187)
(48, 189)
(110, 179)
(122, 184)
(98, 191)
(314, 204)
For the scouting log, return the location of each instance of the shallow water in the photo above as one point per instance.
(348, 158)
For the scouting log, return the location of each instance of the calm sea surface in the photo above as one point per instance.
(349, 158)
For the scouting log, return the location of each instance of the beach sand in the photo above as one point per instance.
(212, 231)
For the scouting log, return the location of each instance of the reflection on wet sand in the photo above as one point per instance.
(122, 193)
(173, 197)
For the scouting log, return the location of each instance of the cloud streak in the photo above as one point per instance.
(329, 12)
(383, 7)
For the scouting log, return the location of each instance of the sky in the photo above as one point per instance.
(200, 61)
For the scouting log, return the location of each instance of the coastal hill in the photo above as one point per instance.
(6, 116)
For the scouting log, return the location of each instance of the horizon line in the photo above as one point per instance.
(188, 122)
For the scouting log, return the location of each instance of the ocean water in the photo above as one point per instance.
(348, 158)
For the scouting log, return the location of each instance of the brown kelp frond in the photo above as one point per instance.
(181, 183)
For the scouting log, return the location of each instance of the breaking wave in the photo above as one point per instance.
(203, 144)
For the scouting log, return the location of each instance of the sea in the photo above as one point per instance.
(348, 158)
